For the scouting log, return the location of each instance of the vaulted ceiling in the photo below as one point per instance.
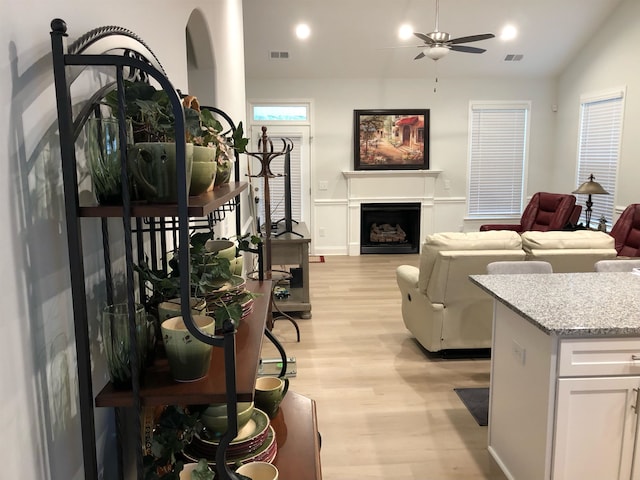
(359, 38)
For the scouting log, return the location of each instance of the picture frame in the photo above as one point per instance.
(395, 139)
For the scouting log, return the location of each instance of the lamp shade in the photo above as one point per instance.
(591, 187)
(437, 52)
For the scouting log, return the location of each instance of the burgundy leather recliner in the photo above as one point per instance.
(546, 211)
(626, 232)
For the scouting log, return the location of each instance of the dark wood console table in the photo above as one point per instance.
(297, 437)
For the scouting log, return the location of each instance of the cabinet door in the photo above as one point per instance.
(595, 428)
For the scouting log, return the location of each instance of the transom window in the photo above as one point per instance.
(291, 113)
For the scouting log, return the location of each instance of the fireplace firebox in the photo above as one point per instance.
(389, 228)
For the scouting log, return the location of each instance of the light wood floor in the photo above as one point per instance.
(386, 408)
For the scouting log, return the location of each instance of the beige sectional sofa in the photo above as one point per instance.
(445, 311)
(569, 252)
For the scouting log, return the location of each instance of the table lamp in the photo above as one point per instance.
(590, 188)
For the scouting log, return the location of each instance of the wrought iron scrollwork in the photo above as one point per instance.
(112, 39)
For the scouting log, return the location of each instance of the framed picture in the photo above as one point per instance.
(391, 139)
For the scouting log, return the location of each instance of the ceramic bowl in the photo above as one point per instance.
(258, 471)
(222, 248)
(215, 416)
(202, 176)
(171, 308)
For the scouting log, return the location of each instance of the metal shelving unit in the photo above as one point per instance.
(145, 228)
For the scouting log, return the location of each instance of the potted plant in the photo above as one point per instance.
(151, 113)
(174, 429)
(211, 134)
(153, 154)
(225, 142)
(208, 273)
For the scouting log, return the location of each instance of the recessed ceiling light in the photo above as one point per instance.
(303, 31)
(405, 32)
(509, 32)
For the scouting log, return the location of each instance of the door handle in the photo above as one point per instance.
(635, 407)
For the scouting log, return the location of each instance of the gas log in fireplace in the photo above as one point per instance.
(389, 228)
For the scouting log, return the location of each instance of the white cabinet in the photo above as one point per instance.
(595, 428)
(596, 415)
(563, 408)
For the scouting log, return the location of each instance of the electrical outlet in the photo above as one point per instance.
(447, 184)
(518, 351)
(322, 232)
(323, 185)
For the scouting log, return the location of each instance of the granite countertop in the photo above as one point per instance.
(571, 304)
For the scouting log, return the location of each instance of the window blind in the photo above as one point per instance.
(498, 140)
(599, 149)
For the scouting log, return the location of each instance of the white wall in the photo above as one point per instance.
(610, 60)
(39, 418)
(332, 129)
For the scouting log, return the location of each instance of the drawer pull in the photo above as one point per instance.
(635, 357)
(635, 407)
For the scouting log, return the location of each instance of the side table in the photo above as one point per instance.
(292, 249)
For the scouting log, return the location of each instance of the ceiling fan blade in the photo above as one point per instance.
(472, 38)
(419, 56)
(424, 37)
(466, 49)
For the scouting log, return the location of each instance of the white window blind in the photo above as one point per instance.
(497, 151)
(599, 149)
(277, 186)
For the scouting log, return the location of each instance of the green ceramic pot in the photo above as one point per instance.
(203, 175)
(203, 154)
(155, 164)
(189, 358)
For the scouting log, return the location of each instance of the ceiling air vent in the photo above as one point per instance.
(513, 57)
(273, 55)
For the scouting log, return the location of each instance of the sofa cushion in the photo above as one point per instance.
(579, 239)
(462, 241)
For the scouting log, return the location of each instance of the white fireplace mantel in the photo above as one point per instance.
(388, 186)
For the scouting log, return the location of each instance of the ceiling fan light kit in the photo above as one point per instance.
(437, 52)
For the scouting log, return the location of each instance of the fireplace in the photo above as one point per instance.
(389, 228)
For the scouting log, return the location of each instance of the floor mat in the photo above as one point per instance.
(477, 402)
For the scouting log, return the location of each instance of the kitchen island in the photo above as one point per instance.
(565, 375)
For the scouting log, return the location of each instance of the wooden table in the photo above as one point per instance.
(292, 248)
(296, 430)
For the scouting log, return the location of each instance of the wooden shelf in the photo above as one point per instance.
(159, 388)
(199, 206)
(297, 438)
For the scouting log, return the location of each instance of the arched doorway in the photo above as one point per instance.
(201, 64)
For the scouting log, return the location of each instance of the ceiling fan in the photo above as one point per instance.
(439, 43)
